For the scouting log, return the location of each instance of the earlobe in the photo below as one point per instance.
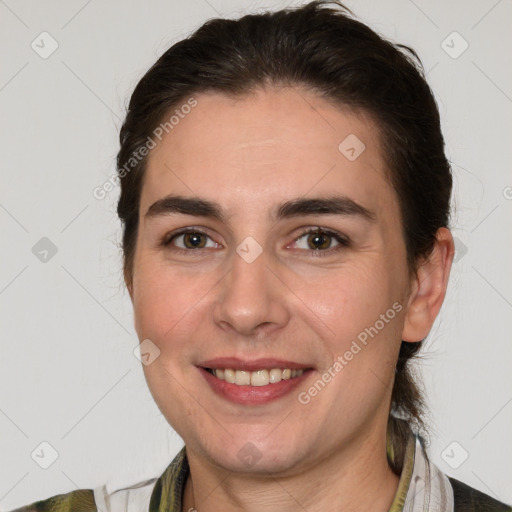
(429, 288)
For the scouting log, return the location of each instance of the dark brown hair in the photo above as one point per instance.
(319, 46)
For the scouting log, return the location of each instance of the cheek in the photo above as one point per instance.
(162, 299)
(351, 298)
(361, 307)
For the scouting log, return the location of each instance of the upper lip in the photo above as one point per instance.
(251, 365)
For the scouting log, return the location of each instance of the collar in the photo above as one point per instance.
(422, 486)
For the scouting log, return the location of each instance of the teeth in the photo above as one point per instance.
(275, 376)
(242, 378)
(260, 378)
(257, 378)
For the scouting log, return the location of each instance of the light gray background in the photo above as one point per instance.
(68, 374)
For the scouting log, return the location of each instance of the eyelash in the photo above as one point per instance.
(343, 242)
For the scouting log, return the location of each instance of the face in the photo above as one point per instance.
(294, 260)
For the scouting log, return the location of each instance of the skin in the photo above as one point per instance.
(249, 155)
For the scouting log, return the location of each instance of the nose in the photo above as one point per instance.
(252, 299)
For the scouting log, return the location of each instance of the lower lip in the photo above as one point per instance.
(253, 395)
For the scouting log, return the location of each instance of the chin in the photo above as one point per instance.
(253, 455)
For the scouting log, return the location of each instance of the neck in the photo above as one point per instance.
(356, 478)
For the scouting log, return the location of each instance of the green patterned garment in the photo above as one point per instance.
(422, 488)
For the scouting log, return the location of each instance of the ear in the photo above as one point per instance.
(428, 288)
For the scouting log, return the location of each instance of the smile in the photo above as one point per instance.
(262, 377)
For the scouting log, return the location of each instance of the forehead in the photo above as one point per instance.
(265, 147)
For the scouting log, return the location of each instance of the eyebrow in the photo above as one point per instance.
(198, 207)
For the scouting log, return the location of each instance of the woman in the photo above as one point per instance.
(285, 204)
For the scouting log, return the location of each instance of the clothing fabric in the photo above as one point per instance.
(423, 487)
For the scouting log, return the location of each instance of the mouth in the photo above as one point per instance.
(253, 382)
(257, 378)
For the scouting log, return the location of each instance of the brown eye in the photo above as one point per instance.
(188, 239)
(319, 241)
(193, 240)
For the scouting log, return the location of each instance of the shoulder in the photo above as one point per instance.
(468, 499)
(133, 498)
(81, 500)
(136, 497)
